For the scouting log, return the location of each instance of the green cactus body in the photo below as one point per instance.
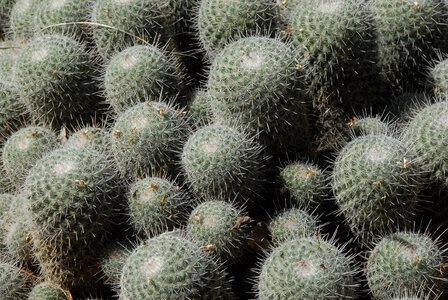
(306, 269)
(92, 137)
(120, 24)
(18, 240)
(5, 12)
(254, 82)
(6, 200)
(439, 77)
(72, 196)
(375, 181)
(292, 224)
(405, 261)
(55, 79)
(23, 149)
(306, 184)
(139, 73)
(170, 267)
(222, 163)
(48, 291)
(410, 33)
(12, 112)
(22, 19)
(427, 134)
(369, 125)
(52, 14)
(336, 40)
(15, 283)
(221, 22)
(156, 205)
(199, 109)
(8, 55)
(112, 262)
(147, 137)
(219, 227)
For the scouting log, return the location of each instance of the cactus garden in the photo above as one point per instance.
(223, 149)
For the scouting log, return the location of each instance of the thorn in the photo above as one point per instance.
(286, 31)
(208, 247)
(81, 183)
(164, 197)
(298, 67)
(309, 171)
(161, 111)
(154, 187)
(241, 221)
(150, 281)
(197, 217)
(352, 122)
(117, 133)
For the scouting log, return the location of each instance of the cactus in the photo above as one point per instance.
(410, 33)
(8, 56)
(308, 269)
(274, 108)
(376, 180)
(222, 163)
(147, 137)
(15, 283)
(405, 261)
(120, 24)
(22, 19)
(156, 205)
(18, 240)
(439, 76)
(335, 38)
(369, 125)
(55, 78)
(112, 262)
(199, 109)
(6, 200)
(290, 224)
(72, 196)
(51, 16)
(92, 137)
(220, 228)
(427, 134)
(306, 184)
(168, 267)
(12, 112)
(5, 12)
(23, 149)
(49, 291)
(220, 22)
(140, 73)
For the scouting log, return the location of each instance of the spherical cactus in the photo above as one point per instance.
(72, 196)
(369, 125)
(222, 163)
(12, 112)
(376, 179)
(220, 22)
(147, 137)
(274, 108)
(140, 73)
(169, 267)
(427, 134)
(439, 76)
(55, 79)
(92, 137)
(23, 149)
(405, 261)
(306, 184)
(120, 24)
(220, 228)
(8, 56)
(49, 291)
(308, 269)
(292, 224)
(5, 12)
(15, 283)
(199, 109)
(156, 205)
(59, 16)
(22, 19)
(112, 262)
(18, 239)
(410, 33)
(335, 38)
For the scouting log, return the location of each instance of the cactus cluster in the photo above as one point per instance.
(223, 149)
